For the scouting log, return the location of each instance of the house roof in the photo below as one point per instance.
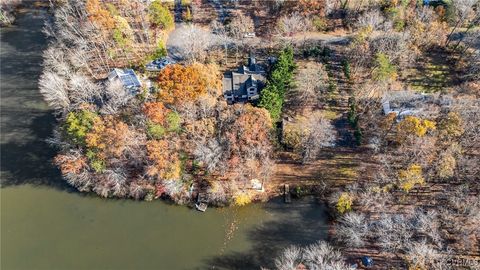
(237, 82)
(127, 76)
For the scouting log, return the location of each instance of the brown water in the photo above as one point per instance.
(47, 225)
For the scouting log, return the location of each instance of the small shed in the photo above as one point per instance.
(127, 77)
(257, 185)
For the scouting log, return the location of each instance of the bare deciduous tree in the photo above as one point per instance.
(352, 229)
(240, 26)
(373, 19)
(318, 256)
(311, 82)
(323, 256)
(422, 255)
(292, 24)
(318, 133)
(116, 96)
(7, 8)
(289, 259)
(54, 90)
(194, 43)
(210, 154)
(395, 46)
(463, 9)
(83, 90)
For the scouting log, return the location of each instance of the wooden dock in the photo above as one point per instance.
(287, 196)
(202, 202)
(202, 207)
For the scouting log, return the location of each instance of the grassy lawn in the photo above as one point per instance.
(431, 73)
(429, 78)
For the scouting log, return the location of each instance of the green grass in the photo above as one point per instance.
(348, 172)
(430, 77)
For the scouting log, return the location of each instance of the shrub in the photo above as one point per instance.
(314, 51)
(98, 165)
(159, 15)
(242, 199)
(320, 24)
(292, 137)
(384, 69)
(155, 131)
(188, 15)
(160, 51)
(344, 203)
(78, 124)
(346, 69)
(399, 25)
(410, 177)
(174, 122)
(358, 135)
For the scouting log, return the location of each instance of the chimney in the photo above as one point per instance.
(251, 61)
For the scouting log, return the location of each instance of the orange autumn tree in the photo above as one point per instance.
(165, 163)
(156, 112)
(108, 138)
(70, 163)
(306, 7)
(98, 15)
(180, 84)
(211, 74)
(249, 136)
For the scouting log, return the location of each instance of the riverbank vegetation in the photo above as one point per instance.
(373, 107)
(164, 142)
(8, 8)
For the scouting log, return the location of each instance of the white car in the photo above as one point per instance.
(249, 35)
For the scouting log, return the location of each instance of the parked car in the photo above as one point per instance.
(158, 64)
(249, 35)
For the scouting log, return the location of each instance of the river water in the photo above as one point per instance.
(47, 225)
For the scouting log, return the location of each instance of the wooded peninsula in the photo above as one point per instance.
(373, 107)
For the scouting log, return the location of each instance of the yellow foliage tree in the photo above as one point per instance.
(447, 165)
(411, 176)
(362, 36)
(242, 199)
(412, 125)
(344, 203)
(123, 33)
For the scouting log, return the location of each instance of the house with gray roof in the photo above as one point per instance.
(244, 84)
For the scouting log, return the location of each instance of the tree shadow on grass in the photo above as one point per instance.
(433, 72)
(299, 223)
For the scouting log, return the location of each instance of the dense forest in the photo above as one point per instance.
(371, 106)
